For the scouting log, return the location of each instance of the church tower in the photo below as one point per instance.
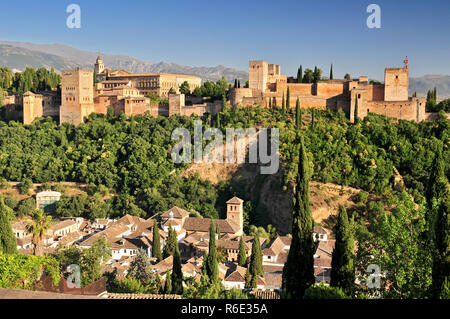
(99, 65)
(235, 214)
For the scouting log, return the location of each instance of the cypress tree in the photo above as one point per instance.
(300, 74)
(283, 107)
(8, 242)
(440, 288)
(270, 103)
(156, 249)
(168, 285)
(239, 84)
(212, 267)
(248, 279)
(235, 83)
(356, 109)
(218, 120)
(288, 99)
(177, 274)
(342, 262)
(312, 117)
(298, 272)
(171, 243)
(437, 182)
(256, 266)
(242, 258)
(331, 72)
(298, 115)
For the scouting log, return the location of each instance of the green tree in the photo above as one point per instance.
(92, 259)
(171, 243)
(440, 288)
(309, 76)
(298, 272)
(437, 182)
(300, 74)
(298, 115)
(283, 105)
(184, 88)
(177, 275)
(211, 263)
(38, 229)
(156, 247)
(342, 263)
(347, 77)
(25, 186)
(168, 284)
(288, 99)
(242, 257)
(8, 242)
(256, 259)
(141, 269)
(331, 72)
(356, 109)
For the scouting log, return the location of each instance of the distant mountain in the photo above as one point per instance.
(421, 85)
(19, 55)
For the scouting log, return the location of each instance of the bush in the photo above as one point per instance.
(26, 207)
(324, 292)
(25, 186)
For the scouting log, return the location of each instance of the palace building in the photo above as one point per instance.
(267, 85)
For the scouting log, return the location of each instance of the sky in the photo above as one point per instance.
(231, 32)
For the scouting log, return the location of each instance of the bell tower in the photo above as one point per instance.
(99, 65)
(235, 214)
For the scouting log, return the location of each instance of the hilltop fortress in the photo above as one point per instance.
(391, 98)
(79, 95)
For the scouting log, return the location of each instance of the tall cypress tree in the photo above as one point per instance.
(239, 84)
(156, 249)
(437, 182)
(356, 109)
(298, 115)
(283, 106)
(211, 263)
(440, 288)
(288, 99)
(168, 284)
(312, 117)
(235, 83)
(331, 72)
(298, 272)
(218, 120)
(8, 242)
(256, 259)
(242, 257)
(300, 74)
(270, 103)
(177, 274)
(342, 262)
(171, 243)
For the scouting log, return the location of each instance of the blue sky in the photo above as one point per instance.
(210, 33)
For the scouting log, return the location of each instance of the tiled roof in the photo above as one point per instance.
(61, 225)
(203, 224)
(138, 296)
(273, 280)
(178, 213)
(320, 230)
(235, 200)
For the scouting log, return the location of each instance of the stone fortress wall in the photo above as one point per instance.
(391, 99)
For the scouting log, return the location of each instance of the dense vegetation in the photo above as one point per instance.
(29, 80)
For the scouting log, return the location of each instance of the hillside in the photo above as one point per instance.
(274, 205)
(63, 57)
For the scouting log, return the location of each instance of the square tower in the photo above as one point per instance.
(258, 73)
(235, 214)
(396, 82)
(77, 96)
